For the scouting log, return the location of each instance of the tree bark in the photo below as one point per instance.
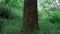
(30, 18)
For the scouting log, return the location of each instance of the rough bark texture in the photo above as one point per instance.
(30, 20)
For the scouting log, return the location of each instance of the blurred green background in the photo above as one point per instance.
(48, 16)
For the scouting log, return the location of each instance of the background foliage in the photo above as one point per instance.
(48, 16)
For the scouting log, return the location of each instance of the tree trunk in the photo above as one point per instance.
(30, 19)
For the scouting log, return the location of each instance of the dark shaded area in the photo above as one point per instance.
(1, 26)
(54, 20)
(5, 2)
(4, 13)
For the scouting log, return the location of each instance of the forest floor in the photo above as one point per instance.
(15, 26)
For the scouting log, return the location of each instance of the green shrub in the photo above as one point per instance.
(54, 16)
